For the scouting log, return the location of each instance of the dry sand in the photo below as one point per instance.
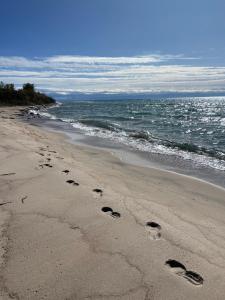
(57, 243)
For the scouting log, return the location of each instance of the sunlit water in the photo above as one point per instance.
(192, 128)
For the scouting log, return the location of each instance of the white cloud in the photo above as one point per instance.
(149, 73)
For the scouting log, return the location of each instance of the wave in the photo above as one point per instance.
(145, 141)
(188, 147)
(44, 113)
(117, 118)
(99, 124)
(142, 135)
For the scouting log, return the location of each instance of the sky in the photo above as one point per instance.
(114, 46)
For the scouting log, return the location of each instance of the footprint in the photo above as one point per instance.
(4, 203)
(179, 269)
(109, 211)
(115, 214)
(7, 174)
(24, 198)
(154, 229)
(66, 171)
(70, 181)
(48, 165)
(176, 266)
(45, 165)
(74, 227)
(194, 277)
(98, 191)
(42, 154)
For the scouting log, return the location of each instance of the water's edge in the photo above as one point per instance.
(133, 156)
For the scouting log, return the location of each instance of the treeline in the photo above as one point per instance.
(10, 96)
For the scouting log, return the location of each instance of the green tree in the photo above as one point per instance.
(10, 87)
(2, 85)
(28, 88)
(25, 96)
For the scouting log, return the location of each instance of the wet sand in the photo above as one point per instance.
(77, 223)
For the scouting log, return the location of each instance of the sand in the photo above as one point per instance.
(136, 237)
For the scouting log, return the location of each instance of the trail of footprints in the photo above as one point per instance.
(153, 228)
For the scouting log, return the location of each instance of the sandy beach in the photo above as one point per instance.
(78, 223)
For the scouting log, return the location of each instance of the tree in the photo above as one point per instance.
(25, 96)
(9, 87)
(28, 88)
(2, 85)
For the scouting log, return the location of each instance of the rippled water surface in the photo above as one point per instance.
(192, 128)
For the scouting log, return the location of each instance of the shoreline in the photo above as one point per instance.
(170, 163)
(159, 168)
(72, 248)
(128, 161)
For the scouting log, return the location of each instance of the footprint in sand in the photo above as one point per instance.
(98, 191)
(45, 165)
(24, 198)
(179, 269)
(66, 171)
(41, 154)
(7, 174)
(154, 230)
(42, 149)
(70, 181)
(109, 211)
(4, 203)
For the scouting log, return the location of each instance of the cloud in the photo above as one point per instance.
(149, 73)
(146, 59)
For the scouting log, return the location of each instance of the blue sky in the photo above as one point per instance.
(114, 45)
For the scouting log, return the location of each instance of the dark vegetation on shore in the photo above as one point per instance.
(9, 96)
